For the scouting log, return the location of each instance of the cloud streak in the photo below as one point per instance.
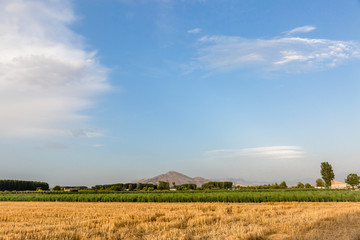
(273, 152)
(46, 76)
(194, 31)
(286, 54)
(303, 29)
(85, 132)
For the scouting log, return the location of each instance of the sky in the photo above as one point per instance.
(96, 92)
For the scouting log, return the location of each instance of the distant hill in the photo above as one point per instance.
(233, 180)
(176, 177)
(241, 181)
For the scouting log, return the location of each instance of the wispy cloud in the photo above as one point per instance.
(52, 145)
(273, 152)
(303, 29)
(194, 31)
(286, 54)
(85, 132)
(46, 76)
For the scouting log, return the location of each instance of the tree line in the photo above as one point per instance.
(20, 185)
(216, 185)
(282, 185)
(160, 186)
(132, 186)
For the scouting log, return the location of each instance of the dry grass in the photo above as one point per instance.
(55, 220)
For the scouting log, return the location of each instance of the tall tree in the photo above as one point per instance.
(352, 179)
(327, 173)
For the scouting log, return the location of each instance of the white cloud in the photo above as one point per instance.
(303, 29)
(46, 76)
(194, 31)
(287, 54)
(273, 152)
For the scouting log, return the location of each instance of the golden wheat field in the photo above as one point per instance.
(59, 220)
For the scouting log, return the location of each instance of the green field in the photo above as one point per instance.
(191, 196)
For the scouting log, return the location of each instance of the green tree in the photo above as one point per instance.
(163, 185)
(300, 185)
(57, 188)
(308, 185)
(320, 183)
(352, 179)
(283, 184)
(327, 173)
(115, 188)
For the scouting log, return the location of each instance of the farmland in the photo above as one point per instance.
(64, 220)
(189, 196)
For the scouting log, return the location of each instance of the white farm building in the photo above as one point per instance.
(339, 185)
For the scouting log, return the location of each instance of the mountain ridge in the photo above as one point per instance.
(175, 177)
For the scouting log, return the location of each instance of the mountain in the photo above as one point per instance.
(176, 177)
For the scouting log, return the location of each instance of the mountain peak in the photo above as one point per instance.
(175, 177)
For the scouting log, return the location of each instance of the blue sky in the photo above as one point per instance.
(96, 92)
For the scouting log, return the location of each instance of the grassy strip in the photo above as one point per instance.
(226, 196)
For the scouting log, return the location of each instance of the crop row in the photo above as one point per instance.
(229, 196)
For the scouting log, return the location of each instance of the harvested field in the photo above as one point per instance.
(71, 220)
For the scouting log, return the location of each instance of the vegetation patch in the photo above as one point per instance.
(250, 196)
